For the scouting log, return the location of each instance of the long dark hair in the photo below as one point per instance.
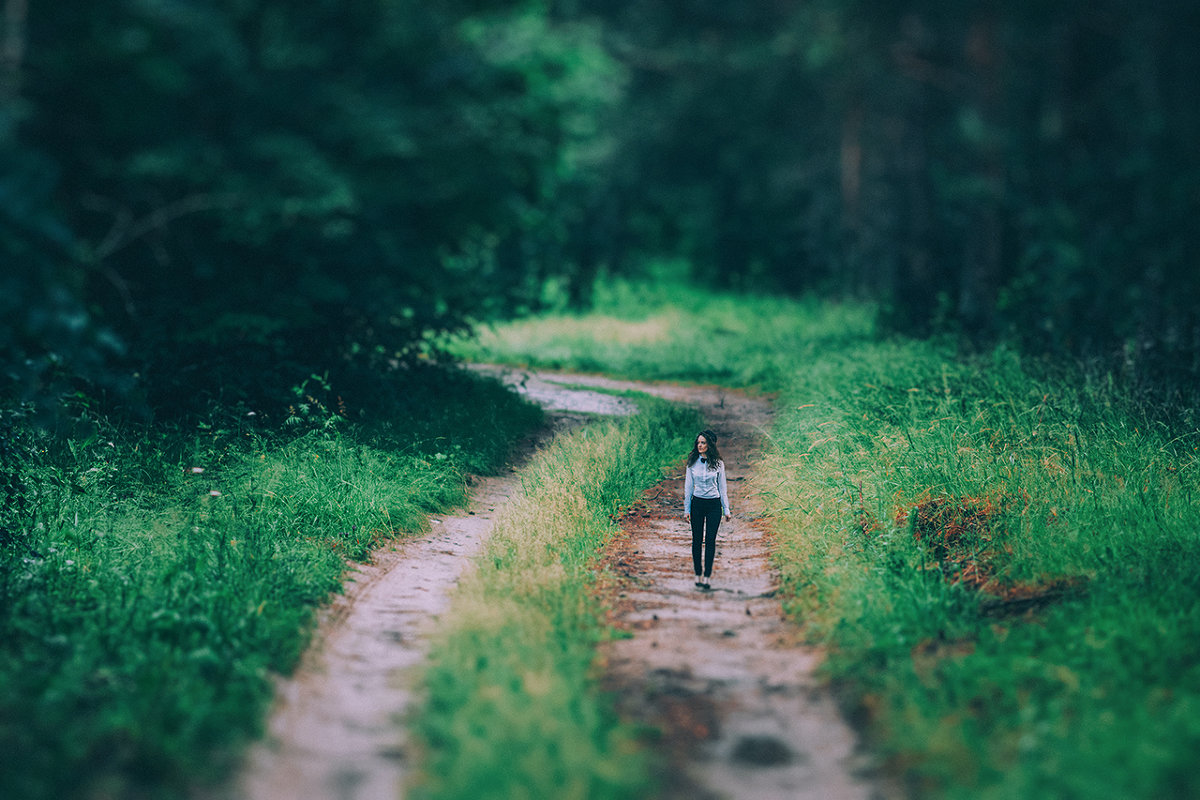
(713, 455)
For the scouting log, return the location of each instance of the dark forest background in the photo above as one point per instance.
(218, 196)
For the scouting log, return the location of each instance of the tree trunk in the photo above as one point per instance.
(984, 238)
(851, 163)
(12, 50)
(917, 283)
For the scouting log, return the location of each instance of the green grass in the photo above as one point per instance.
(513, 709)
(152, 578)
(1000, 554)
(1074, 671)
(655, 332)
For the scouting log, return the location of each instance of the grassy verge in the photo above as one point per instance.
(1004, 561)
(151, 578)
(512, 708)
(663, 332)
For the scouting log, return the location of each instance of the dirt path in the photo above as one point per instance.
(719, 672)
(335, 731)
(741, 714)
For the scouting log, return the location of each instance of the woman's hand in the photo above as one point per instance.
(728, 517)
(687, 517)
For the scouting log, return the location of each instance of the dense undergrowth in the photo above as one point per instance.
(1000, 553)
(153, 576)
(512, 707)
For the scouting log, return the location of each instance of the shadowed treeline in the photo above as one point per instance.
(298, 184)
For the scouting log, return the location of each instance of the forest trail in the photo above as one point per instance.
(718, 672)
(334, 731)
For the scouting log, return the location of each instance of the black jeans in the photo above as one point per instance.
(706, 513)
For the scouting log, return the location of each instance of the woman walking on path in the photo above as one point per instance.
(705, 501)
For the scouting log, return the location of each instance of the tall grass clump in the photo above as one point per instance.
(153, 577)
(1003, 558)
(660, 331)
(512, 708)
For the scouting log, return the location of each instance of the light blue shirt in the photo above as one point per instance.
(700, 481)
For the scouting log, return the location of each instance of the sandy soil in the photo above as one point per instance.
(335, 732)
(718, 672)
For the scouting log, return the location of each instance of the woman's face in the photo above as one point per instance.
(701, 445)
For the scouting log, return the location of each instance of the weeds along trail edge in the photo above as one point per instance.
(1000, 556)
(157, 574)
(512, 708)
(733, 699)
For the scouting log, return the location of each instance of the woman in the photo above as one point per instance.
(705, 500)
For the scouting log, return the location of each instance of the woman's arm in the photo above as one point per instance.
(687, 490)
(724, 490)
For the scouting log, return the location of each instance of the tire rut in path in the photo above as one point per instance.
(336, 730)
(720, 672)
